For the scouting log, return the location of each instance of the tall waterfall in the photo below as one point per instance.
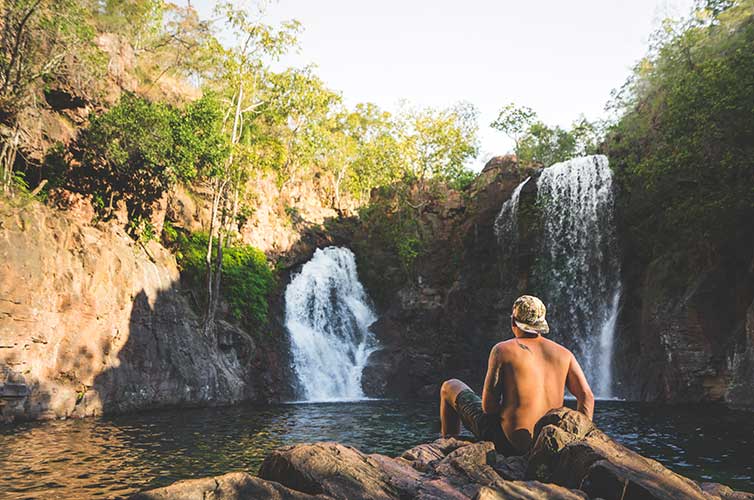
(577, 270)
(579, 263)
(327, 314)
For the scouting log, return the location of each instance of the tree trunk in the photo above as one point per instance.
(209, 316)
(8, 158)
(220, 203)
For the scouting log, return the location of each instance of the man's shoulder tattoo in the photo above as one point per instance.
(522, 346)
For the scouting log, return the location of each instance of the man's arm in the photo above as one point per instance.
(492, 390)
(579, 387)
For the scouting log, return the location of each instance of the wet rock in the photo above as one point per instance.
(686, 335)
(233, 486)
(331, 468)
(715, 490)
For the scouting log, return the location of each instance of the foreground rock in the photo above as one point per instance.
(571, 460)
(235, 485)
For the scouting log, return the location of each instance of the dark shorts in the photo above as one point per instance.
(484, 426)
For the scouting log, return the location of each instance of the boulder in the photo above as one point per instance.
(233, 486)
(444, 469)
(568, 450)
(529, 490)
(425, 457)
(332, 468)
(715, 490)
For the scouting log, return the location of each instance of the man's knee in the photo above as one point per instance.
(450, 388)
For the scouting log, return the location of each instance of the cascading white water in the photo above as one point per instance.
(579, 265)
(327, 314)
(506, 222)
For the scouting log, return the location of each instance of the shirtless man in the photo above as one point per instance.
(526, 376)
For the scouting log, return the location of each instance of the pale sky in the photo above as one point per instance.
(561, 58)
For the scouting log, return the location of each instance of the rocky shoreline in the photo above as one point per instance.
(571, 459)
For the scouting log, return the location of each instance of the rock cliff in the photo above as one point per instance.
(570, 460)
(682, 335)
(92, 322)
(442, 321)
(688, 336)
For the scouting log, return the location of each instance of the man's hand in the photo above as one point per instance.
(579, 387)
(492, 391)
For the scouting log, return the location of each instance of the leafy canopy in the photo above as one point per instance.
(683, 147)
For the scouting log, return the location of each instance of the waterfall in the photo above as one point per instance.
(577, 267)
(579, 263)
(506, 222)
(327, 314)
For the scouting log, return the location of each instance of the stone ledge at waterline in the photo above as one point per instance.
(571, 459)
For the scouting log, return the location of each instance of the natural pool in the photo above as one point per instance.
(115, 456)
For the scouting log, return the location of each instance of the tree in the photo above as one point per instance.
(683, 147)
(537, 142)
(514, 122)
(546, 145)
(239, 79)
(307, 113)
(139, 21)
(441, 141)
(380, 157)
(38, 38)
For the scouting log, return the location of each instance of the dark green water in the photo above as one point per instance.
(105, 457)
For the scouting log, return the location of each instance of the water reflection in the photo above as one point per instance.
(105, 457)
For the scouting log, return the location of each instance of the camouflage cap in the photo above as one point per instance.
(529, 314)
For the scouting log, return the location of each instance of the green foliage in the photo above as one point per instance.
(409, 248)
(546, 145)
(537, 143)
(247, 281)
(683, 149)
(440, 142)
(514, 121)
(394, 225)
(143, 229)
(38, 40)
(138, 148)
(199, 145)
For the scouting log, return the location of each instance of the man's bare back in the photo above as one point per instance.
(526, 377)
(528, 374)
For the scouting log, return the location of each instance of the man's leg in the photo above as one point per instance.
(450, 422)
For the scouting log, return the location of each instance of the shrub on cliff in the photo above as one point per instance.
(247, 277)
(136, 150)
